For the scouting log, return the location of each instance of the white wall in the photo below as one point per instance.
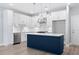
(74, 11)
(7, 27)
(1, 24)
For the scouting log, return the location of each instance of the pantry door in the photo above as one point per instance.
(75, 29)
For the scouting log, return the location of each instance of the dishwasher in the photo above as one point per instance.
(17, 38)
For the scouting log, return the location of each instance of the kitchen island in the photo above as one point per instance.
(53, 43)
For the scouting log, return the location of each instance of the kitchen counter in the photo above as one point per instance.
(45, 34)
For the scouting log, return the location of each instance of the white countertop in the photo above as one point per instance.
(47, 34)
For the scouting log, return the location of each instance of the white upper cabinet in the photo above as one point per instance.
(59, 15)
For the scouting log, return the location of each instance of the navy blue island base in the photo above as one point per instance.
(52, 44)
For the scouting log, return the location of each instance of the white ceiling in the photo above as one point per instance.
(33, 8)
(38, 7)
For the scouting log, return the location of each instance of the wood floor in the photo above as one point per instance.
(21, 49)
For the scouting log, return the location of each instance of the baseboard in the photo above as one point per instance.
(7, 44)
(10, 43)
(67, 44)
(1, 44)
(74, 44)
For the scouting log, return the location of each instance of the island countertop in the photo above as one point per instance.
(46, 34)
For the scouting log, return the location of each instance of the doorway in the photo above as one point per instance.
(59, 26)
